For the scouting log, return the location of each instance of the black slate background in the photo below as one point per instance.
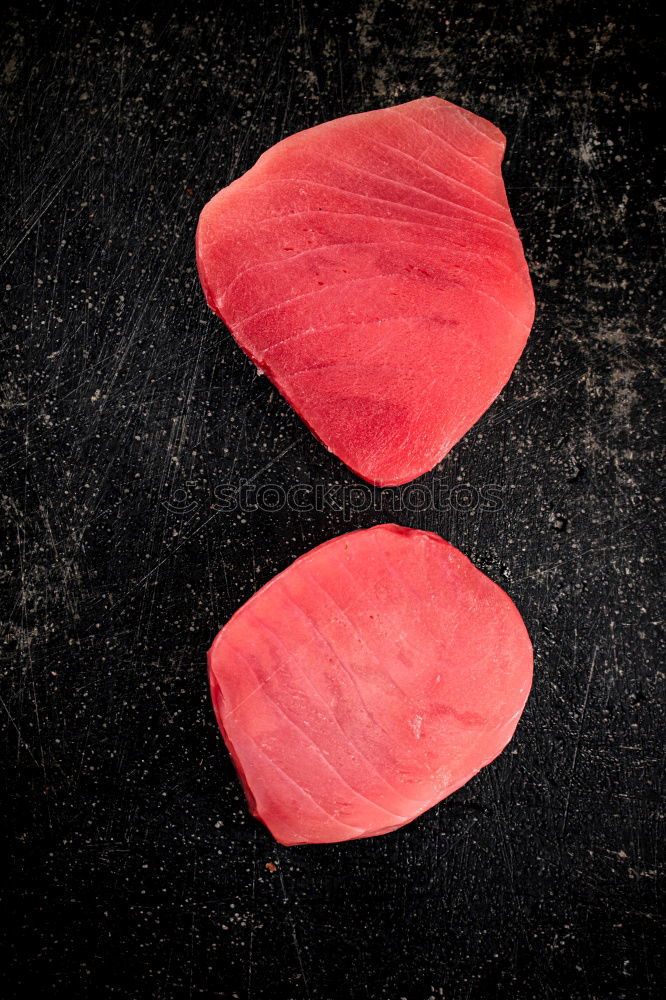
(135, 870)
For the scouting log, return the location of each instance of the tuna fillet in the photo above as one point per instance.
(373, 677)
(371, 268)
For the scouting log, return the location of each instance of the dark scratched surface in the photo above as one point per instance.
(135, 870)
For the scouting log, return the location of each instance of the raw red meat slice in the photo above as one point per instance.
(373, 677)
(370, 266)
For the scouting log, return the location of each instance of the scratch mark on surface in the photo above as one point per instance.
(292, 923)
(580, 730)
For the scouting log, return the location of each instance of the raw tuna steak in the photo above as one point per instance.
(370, 266)
(369, 680)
